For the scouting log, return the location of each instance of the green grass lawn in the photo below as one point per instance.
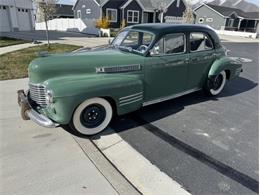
(5, 41)
(14, 65)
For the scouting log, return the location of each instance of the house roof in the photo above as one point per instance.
(99, 2)
(151, 5)
(227, 11)
(62, 9)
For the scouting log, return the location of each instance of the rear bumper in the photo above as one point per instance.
(28, 113)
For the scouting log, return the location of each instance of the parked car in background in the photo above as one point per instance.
(143, 65)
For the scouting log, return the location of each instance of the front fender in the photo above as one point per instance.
(71, 91)
(229, 64)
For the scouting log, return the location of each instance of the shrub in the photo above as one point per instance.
(122, 24)
(103, 23)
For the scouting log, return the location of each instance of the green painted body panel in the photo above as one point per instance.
(73, 90)
(226, 63)
(72, 78)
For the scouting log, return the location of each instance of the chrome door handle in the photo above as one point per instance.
(187, 60)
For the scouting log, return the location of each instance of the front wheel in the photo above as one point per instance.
(216, 85)
(92, 116)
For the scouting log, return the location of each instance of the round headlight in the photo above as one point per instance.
(49, 97)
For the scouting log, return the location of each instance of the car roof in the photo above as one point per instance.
(160, 29)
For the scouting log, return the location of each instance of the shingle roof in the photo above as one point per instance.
(227, 11)
(153, 4)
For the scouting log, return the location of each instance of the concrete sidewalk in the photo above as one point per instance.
(11, 48)
(79, 41)
(37, 160)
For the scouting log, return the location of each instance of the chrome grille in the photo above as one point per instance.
(37, 94)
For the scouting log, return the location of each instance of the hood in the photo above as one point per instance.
(83, 62)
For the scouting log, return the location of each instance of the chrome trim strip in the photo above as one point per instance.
(131, 102)
(119, 68)
(170, 97)
(125, 97)
(126, 100)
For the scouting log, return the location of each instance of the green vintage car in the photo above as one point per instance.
(143, 65)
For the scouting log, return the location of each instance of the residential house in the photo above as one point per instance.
(132, 11)
(87, 9)
(227, 18)
(16, 15)
(63, 11)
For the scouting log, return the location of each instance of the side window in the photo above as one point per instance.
(200, 42)
(170, 44)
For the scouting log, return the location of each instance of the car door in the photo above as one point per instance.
(202, 55)
(166, 67)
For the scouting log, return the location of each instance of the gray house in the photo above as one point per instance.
(87, 9)
(132, 11)
(226, 18)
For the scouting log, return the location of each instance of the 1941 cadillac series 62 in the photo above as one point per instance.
(144, 64)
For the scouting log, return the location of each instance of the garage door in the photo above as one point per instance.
(4, 19)
(23, 19)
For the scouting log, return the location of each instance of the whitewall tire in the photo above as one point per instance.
(92, 116)
(218, 84)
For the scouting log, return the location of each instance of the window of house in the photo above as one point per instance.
(79, 14)
(83, 6)
(209, 20)
(200, 42)
(231, 22)
(170, 44)
(22, 10)
(4, 7)
(19, 9)
(112, 15)
(132, 16)
(201, 20)
(88, 11)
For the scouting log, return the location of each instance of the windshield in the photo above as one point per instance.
(133, 41)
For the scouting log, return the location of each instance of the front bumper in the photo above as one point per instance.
(28, 113)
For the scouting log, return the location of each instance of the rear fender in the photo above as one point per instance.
(231, 65)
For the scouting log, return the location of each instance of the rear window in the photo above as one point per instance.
(200, 42)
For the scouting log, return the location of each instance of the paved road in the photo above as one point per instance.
(209, 145)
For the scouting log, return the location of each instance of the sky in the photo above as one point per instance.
(73, 1)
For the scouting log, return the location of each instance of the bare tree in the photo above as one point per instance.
(188, 16)
(161, 8)
(46, 9)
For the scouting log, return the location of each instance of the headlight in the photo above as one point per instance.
(49, 97)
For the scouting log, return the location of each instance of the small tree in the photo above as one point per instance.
(46, 10)
(188, 16)
(162, 9)
(103, 23)
(122, 24)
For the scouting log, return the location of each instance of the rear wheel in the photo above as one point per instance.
(92, 116)
(217, 84)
